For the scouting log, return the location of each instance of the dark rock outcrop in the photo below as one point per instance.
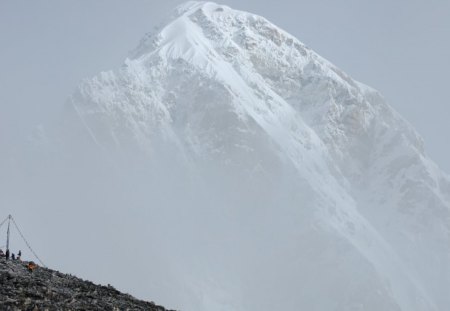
(46, 289)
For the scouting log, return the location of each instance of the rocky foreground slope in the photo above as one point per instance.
(46, 289)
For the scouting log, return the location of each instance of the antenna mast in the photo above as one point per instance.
(7, 233)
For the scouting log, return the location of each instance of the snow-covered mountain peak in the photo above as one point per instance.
(222, 92)
(205, 32)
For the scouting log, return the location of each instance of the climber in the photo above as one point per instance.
(7, 254)
(13, 257)
(31, 266)
(19, 254)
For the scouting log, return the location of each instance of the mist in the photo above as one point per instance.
(149, 226)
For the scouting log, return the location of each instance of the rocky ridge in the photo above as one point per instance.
(46, 289)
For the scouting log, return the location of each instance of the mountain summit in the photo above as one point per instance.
(293, 186)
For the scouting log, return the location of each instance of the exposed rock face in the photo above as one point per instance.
(46, 289)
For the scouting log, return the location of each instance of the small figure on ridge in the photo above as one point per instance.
(31, 266)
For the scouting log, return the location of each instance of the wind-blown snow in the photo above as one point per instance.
(354, 215)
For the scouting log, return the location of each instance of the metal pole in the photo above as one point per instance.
(7, 233)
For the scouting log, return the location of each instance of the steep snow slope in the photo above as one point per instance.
(229, 96)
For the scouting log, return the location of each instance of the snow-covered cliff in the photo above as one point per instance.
(364, 212)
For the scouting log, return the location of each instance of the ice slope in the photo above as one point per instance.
(224, 89)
